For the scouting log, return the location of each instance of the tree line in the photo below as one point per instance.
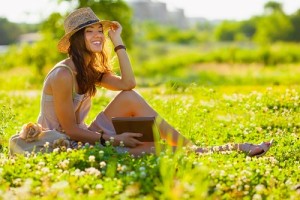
(272, 26)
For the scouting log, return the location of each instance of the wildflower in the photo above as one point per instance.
(64, 164)
(56, 150)
(17, 181)
(259, 188)
(13, 161)
(121, 168)
(46, 145)
(91, 192)
(91, 158)
(101, 153)
(122, 144)
(142, 168)
(107, 143)
(60, 185)
(78, 173)
(143, 174)
(99, 186)
(102, 164)
(256, 197)
(93, 171)
(112, 139)
(45, 170)
(132, 190)
(132, 173)
(41, 164)
(248, 158)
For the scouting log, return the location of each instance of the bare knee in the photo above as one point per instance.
(129, 97)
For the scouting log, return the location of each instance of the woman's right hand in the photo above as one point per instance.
(129, 139)
(115, 33)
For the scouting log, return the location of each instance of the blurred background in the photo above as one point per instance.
(169, 41)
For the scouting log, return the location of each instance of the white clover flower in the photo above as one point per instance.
(46, 145)
(93, 171)
(142, 168)
(56, 150)
(91, 158)
(99, 186)
(248, 158)
(222, 173)
(132, 173)
(259, 188)
(78, 173)
(231, 176)
(64, 164)
(256, 197)
(102, 164)
(107, 143)
(41, 164)
(101, 152)
(45, 170)
(12, 161)
(60, 185)
(91, 192)
(69, 149)
(121, 168)
(122, 144)
(112, 139)
(143, 174)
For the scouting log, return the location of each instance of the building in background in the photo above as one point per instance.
(147, 10)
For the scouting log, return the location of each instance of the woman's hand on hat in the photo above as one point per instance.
(115, 30)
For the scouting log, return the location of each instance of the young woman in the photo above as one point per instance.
(70, 85)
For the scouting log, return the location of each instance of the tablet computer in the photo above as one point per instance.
(144, 125)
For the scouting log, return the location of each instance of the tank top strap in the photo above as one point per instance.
(71, 71)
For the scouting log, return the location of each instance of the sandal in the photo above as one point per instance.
(265, 146)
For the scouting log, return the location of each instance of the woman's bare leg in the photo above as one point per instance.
(253, 150)
(130, 103)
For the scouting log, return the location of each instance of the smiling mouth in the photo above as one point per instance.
(96, 43)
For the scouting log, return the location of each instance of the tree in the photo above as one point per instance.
(227, 30)
(9, 32)
(272, 7)
(276, 26)
(295, 20)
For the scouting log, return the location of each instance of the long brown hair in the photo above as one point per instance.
(88, 73)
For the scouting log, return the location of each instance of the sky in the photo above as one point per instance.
(33, 11)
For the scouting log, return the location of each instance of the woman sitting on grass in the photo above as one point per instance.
(70, 85)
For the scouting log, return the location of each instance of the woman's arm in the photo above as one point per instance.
(61, 83)
(127, 80)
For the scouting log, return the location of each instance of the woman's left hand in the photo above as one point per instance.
(115, 31)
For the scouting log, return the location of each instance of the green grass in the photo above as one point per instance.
(209, 115)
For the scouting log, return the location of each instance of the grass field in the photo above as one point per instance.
(210, 111)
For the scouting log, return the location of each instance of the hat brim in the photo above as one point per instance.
(64, 43)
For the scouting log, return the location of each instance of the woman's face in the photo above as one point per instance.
(94, 38)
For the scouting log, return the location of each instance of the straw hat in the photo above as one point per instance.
(77, 20)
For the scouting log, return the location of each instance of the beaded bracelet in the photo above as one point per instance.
(119, 47)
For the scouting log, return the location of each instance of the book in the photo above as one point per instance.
(143, 125)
